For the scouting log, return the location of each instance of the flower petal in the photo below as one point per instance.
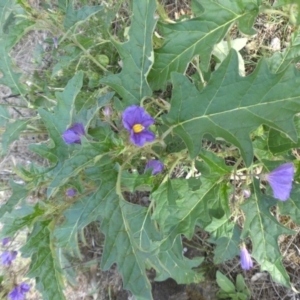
(78, 128)
(156, 166)
(132, 115)
(281, 180)
(24, 287)
(246, 260)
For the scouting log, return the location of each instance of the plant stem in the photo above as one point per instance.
(274, 11)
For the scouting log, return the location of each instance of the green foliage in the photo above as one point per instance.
(73, 17)
(264, 230)
(19, 193)
(136, 54)
(247, 100)
(44, 265)
(292, 207)
(229, 290)
(280, 60)
(198, 36)
(12, 133)
(226, 236)
(9, 77)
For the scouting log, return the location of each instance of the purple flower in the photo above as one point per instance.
(7, 257)
(55, 42)
(107, 111)
(280, 180)
(246, 193)
(246, 261)
(73, 134)
(18, 292)
(156, 166)
(5, 241)
(71, 192)
(136, 120)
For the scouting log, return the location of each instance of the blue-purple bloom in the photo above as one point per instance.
(107, 111)
(246, 193)
(280, 180)
(71, 192)
(55, 42)
(73, 134)
(136, 120)
(5, 241)
(156, 166)
(7, 257)
(246, 261)
(18, 293)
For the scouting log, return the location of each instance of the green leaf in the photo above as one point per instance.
(74, 16)
(224, 283)
(58, 121)
(291, 207)
(4, 115)
(198, 36)
(9, 78)
(135, 181)
(264, 230)
(23, 217)
(215, 164)
(241, 285)
(280, 3)
(87, 155)
(12, 133)
(43, 151)
(17, 31)
(131, 235)
(226, 236)
(179, 216)
(19, 193)
(136, 54)
(251, 101)
(80, 214)
(64, 111)
(280, 60)
(5, 8)
(44, 263)
(60, 149)
(278, 142)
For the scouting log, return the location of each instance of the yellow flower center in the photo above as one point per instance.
(137, 128)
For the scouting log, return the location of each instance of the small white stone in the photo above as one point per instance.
(275, 44)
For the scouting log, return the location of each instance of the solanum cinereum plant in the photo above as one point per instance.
(211, 150)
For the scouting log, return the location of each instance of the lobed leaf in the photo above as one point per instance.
(179, 215)
(12, 133)
(278, 142)
(81, 14)
(44, 263)
(264, 230)
(231, 107)
(20, 218)
(280, 60)
(58, 121)
(4, 115)
(132, 242)
(19, 193)
(87, 155)
(226, 236)
(136, 54)
(291, 207)
(198, 36)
